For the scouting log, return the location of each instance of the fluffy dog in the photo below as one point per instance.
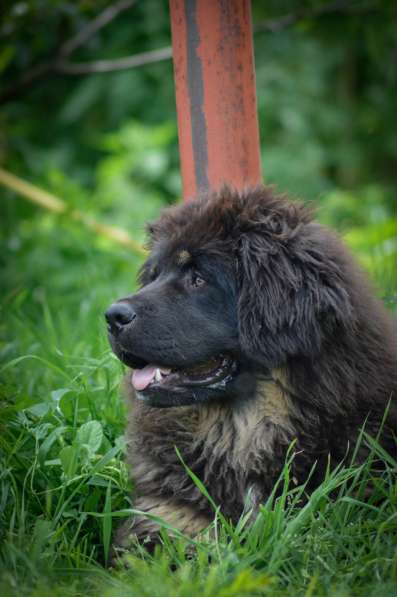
(253, 327)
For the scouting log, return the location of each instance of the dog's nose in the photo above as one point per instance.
(118, 315)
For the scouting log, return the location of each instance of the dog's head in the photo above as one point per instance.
(234, 284)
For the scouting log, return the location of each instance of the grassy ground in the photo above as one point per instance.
(63, 483)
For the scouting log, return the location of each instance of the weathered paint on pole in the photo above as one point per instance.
(215, 94)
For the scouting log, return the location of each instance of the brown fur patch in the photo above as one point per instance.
(182, 517)
(238, 433)
(183, 257)
(274, 401)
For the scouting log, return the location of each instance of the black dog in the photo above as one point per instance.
(253, 328)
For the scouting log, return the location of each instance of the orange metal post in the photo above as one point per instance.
(215, 94)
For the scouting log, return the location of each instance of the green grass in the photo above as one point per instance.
(64, 484)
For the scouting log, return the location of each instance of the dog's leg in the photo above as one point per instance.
(145, 530)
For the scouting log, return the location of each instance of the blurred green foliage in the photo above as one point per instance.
(107, 143)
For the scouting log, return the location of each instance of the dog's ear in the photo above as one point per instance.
(293, 292)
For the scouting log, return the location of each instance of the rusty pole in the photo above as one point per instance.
(215, 94)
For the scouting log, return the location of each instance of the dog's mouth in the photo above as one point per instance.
(210, 373)
(163, 385)
(160, 385)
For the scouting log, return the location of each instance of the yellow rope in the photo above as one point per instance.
(53, 203)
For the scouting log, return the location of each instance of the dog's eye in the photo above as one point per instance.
(196, 280)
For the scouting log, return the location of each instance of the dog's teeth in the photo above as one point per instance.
(157, 375)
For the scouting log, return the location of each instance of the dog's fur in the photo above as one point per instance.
(320, 355)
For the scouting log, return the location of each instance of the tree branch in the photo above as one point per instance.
(103, 19)
(61, 65)
(50, 66)
(271, 25)
(52, 203)
(105, 66)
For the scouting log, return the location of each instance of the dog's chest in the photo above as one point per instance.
(225, 447)
(242, 435)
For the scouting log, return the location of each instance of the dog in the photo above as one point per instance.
(253, 328)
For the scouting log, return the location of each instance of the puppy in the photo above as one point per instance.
(253, 327)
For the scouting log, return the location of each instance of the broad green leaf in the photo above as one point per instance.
(39, 410)
(69, 460)
(56, 395)
(90, 434)
(49, 441)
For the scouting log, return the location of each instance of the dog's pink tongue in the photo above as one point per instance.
(141, 378)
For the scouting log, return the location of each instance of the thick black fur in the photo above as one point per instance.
(316, 355)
